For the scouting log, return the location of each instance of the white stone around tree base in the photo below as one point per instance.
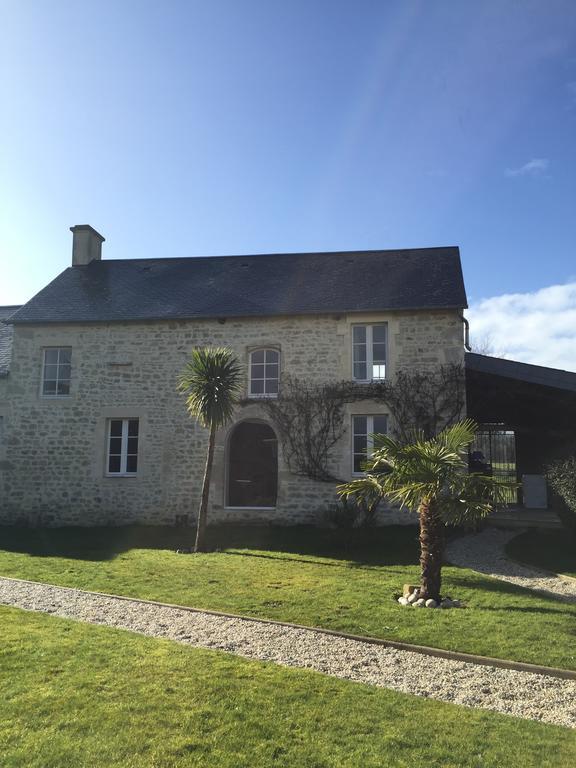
(403, 600)
(416, 601)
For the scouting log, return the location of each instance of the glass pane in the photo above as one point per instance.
(360, 371)
(132, 445)
(271, 356)
(360, 425)
(51, 356)
(359, 333)
(257, 372)
(49, 388)
(378, 371)
(378, 333)
(359, 459)
(65, 356)
(379, 353)
(360, 444)
(272, 387)
(63, 387)
(380, 425)
(64, 371)
(131, 463)
(258, 356)
(133, 427)
(359, 353)
(257, 387)
(114, 464)
(116, 428)
(51, 372)
(115, 445)
(272, 371)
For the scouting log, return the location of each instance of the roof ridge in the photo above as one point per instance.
(363, 252)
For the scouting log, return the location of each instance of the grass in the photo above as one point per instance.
(553, 550)
(82, 696)
(304, 576)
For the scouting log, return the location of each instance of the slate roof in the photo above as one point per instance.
(511, 369)
(6, 332)
(247, 286)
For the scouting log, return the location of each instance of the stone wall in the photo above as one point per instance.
(52, 451)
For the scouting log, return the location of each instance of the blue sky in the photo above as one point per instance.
(244, 126)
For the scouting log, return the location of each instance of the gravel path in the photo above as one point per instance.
(523, 694)
(484, 552)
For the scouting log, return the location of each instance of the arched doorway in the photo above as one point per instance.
(252, 466)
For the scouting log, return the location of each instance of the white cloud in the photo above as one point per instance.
(537, 327)
(535, 167)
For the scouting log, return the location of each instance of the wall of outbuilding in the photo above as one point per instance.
(52, 451)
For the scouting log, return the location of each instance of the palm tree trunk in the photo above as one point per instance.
(200, 544)
(431, 550)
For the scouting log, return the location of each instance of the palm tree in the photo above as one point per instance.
(211, 381)
(430, 477)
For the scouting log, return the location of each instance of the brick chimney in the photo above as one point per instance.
(86, 245)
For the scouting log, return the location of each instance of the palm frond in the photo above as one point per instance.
(212, 383)
(431, 469)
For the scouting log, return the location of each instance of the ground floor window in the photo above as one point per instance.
(363, 430)
(252, 466)
(122, 458)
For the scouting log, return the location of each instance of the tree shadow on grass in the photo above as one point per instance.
(491, 584)
(393, 545)
(320, 560)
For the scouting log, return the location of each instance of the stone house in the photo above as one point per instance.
(94, 430)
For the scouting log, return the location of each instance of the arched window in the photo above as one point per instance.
(264, 373)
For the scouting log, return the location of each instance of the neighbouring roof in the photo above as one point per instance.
(6, 332)
(531, 374)
(244, 286)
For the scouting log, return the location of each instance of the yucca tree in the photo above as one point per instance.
(430, 477)
(212, 383)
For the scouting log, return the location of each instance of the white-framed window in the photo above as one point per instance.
(363, 430)
(56, 371)
(369, 344)
(264, 373)
(122, 447)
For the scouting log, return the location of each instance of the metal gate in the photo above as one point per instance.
(493, 452)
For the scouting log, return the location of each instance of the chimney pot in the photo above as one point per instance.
(86, 245)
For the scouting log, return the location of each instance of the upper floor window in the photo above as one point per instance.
(56, 372)
(363, 430)
(369, 352)
(264, 373)
(122, 454)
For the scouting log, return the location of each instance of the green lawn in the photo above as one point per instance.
(85, 696)
(553, 550)
(306, 576)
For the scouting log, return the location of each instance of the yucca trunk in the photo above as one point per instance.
(431, 550)
(200, 544)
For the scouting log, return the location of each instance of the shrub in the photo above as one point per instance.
(561, 475)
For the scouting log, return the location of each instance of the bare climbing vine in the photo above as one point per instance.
(310, 417)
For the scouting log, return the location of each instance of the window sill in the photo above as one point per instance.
(262, 397)
(251, 508)
(112, 475)
(55, 397)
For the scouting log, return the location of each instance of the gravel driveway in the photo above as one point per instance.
(484, 552)
(523, 694)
